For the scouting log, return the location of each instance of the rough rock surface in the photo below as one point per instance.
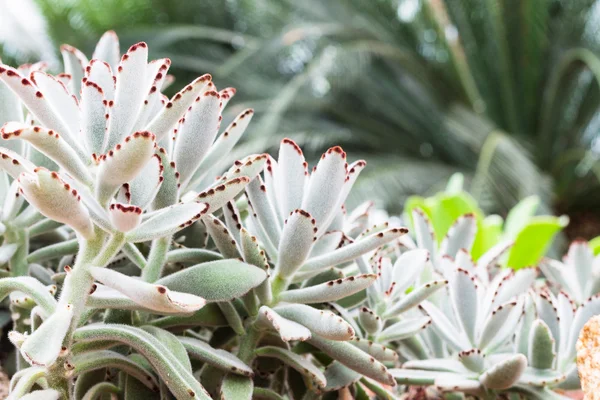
(588, 359)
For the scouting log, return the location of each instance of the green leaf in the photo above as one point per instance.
(221, 280)
(542, 348)
(236, 387)
(182, 382)
(447, 208)
(321, 322)
(218, 358)
(595, 245)
(167, 221)
(329, 291)
(300, 364)
(520, 215)
(111, 359)
(287, 329)
(533, 241)
(339, 376)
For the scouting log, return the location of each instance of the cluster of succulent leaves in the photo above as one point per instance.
(137, 265)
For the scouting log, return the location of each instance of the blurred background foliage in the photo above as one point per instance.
(504, 91)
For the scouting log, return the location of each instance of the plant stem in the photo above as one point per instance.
(156, 259)
(248, 344)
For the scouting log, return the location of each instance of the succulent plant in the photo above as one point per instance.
(181, 277)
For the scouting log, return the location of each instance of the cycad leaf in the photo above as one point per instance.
(221, 280)
(329, 291)
(43, 346)
(150, 296)
(183, 384)
(218, 358)
(296, 242)
(321, 322)
(168, 221)
(299, 363)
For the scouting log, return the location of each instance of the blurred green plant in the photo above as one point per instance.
(505, 92)
(530, 234)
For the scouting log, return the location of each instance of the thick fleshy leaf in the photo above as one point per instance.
(443, 327)
(460, 236)
(353, 250)
(296, 242)
(253, 254)
(38, 104)
(168, 192)
(62, 101)
(44, 345)
(424, 231)
(46, 394)
(222, 146)
(265, 212)
(581, 258)
(292, 176)
(196, 133)
(504, 374)
(168, 221)
(219, 195)
(56, 200)
(182, 383)
(541, 346)
(287, 329)
(587, 310)
(321, 322)
(250, 167)
(52, 145)
(324, 186)
(499, 325)
(199, 350)
(221, 280)
(458, 384)
(30, 287)
(329, 291)
(93, 117)
(107, 49)
(221, 236)
(129, 94)
(233, 220)
(463, 295)
(369, 321)
(354, 358)
(123, 163)
(406, 269)
(414, 298)
(404, 329)
(124, 217)
(13, 163)
(379, 351)
(547, 312)
(472, 359)
(327, 243)
(147, 183)
(101, 73)
(173, 110)
(236, 387)
(75, 62)
(547, 377)
(299, 363)
(101, 359)
(153, 297)
(417, 377)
